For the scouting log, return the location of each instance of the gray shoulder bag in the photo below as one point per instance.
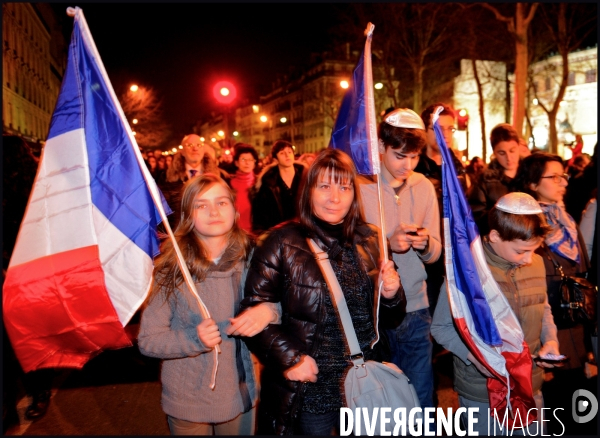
(368, 384)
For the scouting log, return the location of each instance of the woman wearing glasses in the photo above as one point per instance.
(543, 176)
(242, 181)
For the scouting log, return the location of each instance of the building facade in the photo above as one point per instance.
(578, 111)
(301, 110)
(33, 64)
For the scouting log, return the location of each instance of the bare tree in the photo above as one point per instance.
(419, 36)
(143, 110)
(518, 27)
(564, 23)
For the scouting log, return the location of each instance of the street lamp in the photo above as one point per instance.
(378, 86)
(134, 88)
(344, 84)
(225, 93)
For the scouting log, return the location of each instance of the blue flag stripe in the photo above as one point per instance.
(350, 130)
(118, 188)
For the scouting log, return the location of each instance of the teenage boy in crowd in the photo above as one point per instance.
(412, 221)
(517, 228)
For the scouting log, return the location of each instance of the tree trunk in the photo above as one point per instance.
(481, 110)
(521, 65)
(418, 91)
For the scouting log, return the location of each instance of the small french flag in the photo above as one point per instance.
(82, 263)
(355, 130)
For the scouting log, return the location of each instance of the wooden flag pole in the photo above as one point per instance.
(372, 138)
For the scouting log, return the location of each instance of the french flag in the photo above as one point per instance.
(355, 130)
(82, 263)
(481, 313)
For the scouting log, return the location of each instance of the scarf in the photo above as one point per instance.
(563, 238)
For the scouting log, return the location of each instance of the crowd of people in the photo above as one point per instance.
(242, 224)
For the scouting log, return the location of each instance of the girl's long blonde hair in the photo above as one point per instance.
(167, 274)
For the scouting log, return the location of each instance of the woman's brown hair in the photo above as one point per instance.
(340, 168)
(167, 274)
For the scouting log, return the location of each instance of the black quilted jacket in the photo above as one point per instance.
(283, 269)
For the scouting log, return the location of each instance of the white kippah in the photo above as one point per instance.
(518, 203)
(404, 118)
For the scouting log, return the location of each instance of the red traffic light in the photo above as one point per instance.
(462, 120)
(224, 92)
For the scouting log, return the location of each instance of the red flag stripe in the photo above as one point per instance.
(57, 305)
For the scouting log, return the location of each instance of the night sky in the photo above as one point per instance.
(182, 50)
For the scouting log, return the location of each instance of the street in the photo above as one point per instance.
(118, 393)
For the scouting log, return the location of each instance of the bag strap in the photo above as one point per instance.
(339, 302)
(557, 266)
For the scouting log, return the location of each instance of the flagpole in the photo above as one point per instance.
(77, 13)
(372, 138)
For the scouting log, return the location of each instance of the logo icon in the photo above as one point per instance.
(585, 406)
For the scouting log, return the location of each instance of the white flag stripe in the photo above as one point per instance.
(58, 216)
(127, 269)
(506, 320)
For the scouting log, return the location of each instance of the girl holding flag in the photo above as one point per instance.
(216, 251)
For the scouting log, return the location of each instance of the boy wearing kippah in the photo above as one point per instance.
(412, 222)
(517, 228)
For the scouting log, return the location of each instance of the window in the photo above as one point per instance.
(571, 80)
(548, 84)
(590, 76)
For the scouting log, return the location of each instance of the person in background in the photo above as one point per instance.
(168, 161)
(576, 149)
(543, 176)
(579, 190)
(578, 164)
(277, 189)
(495, 181)
(473, 170)
(430, 165)
(196, 158)
(216, 251)
(226, 161)
(517, 228)
(412, 222)
(242, 182)
(305, 357)
(19, 170)
(151, 163)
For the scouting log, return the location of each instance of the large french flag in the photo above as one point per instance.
(482, 315)
(82, 263)
(355, 130)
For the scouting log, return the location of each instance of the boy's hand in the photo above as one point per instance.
(406, 236)
(550, 347)
(399, 241)
(421, 240)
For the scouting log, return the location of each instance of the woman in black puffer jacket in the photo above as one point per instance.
(305, 357)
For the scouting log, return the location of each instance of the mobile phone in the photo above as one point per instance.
(414, 233)
(551, 358)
